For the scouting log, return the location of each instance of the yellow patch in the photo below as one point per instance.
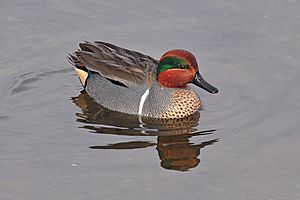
(82, 75)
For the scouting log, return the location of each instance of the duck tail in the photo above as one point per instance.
(81, 70)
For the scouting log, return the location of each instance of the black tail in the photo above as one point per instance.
(81, 70)
(75, 62)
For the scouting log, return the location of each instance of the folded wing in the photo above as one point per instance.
(116, 63)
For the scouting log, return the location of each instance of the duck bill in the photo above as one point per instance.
(199, 81)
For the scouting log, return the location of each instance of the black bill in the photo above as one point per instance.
(199, 81)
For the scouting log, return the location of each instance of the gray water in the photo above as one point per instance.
(243, 145)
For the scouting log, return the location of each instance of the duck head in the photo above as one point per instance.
(177, 68)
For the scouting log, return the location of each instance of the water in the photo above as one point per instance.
(244, 144)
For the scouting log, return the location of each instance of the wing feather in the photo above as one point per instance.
(116, 63)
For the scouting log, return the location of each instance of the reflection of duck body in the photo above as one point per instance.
(93, 114)
(130, 82)
(173, 144)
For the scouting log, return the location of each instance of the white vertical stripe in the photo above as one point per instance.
(142, 101)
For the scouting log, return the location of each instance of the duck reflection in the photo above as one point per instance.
(173, 145)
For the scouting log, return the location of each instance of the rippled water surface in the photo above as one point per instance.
(56, 143)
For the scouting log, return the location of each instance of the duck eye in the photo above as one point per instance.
(180, 66)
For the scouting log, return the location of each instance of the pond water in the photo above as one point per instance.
(56, 143)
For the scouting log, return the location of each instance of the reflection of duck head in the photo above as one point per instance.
(174, 148)
(178, 153)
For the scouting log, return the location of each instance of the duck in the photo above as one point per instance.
(133, 83)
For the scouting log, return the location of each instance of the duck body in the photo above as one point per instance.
(159, 102)
(129, 82)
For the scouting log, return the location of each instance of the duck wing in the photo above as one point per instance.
(116, 63)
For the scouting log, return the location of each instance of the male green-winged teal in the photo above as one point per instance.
(133, 83)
